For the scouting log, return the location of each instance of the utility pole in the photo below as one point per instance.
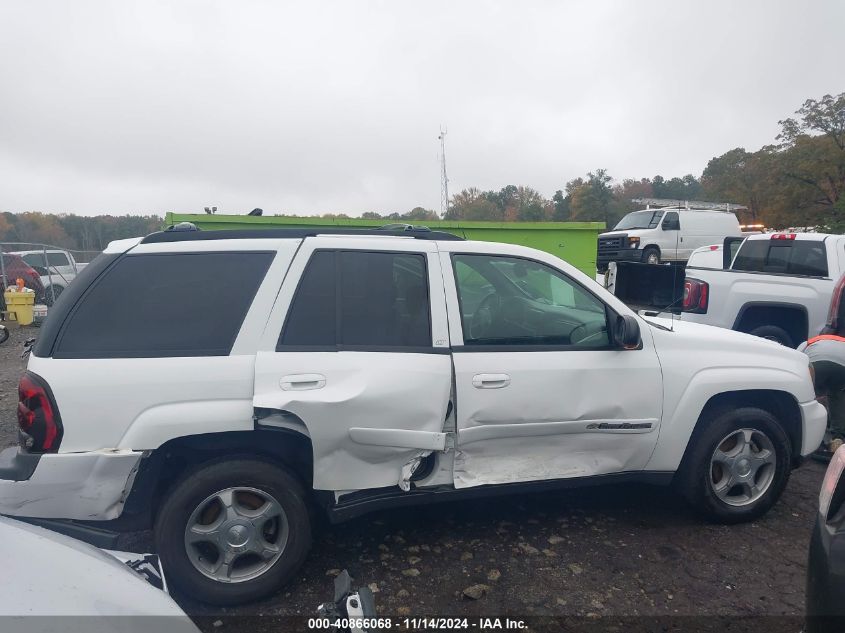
(444, 179)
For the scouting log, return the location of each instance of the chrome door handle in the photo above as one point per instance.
(491, 381)
(302, 382)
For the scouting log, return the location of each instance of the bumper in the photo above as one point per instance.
(620, 255)
(814, 416)
(83, 486)
(826, 580)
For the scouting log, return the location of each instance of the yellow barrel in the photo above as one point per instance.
(20, 305)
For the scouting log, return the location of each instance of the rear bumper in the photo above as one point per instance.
(82, 486)
(814, 417)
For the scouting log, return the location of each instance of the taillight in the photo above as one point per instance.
(835, 304)
(696, 296)
(831, 483)
(38, 418)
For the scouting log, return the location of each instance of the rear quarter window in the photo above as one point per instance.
(158, 305)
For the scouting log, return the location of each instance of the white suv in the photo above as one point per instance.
(216, 384)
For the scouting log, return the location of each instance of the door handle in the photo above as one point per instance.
(491, 381)
(302, 382)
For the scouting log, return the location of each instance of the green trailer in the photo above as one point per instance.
(574, 242)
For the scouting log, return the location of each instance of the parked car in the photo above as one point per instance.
(668, 234)
(778, 286)
(826, 566)
(55, 575)
(14, 268)
(57, 269)
(246, 376)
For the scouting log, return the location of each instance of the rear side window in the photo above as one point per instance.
(792, 257)
(360, 299)
(186, 304)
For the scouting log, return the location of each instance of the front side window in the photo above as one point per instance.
(360, 299)
(159, 305)
(514, 301)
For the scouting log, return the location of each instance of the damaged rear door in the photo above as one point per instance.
(356, 353)
(542, 392)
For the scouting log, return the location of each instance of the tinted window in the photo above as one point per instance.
(361, 299)
(512, 301)
(794, 257)
(187, 304)
(312, 319)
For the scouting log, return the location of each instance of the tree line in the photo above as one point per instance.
(797, 181)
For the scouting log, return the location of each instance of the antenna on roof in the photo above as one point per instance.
(444, 179)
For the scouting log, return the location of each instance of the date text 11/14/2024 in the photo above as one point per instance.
(417, 624)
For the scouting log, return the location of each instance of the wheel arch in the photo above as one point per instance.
(782, 405)
(791, 317)
(163, 467)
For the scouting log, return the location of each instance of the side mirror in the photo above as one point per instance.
(626, 332)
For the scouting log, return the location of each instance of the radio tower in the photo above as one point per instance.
(444, 179)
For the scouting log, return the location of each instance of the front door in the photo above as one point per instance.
(542, 392)
(360, 358)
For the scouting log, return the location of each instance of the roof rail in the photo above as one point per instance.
(196, 235)
(689, 205)
(402, 227)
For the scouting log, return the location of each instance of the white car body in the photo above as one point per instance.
(707, 257)
(698, 228)
(737, 297)
(51, 575)
(522, 416)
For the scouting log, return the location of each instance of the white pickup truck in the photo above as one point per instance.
(777, 286)
(56, 267)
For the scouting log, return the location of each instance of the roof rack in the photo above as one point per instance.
(181, 233)
(689, 205)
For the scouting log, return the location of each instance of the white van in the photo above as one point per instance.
(664, 234)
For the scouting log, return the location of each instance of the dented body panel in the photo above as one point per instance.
(81, 486)
(473, 415)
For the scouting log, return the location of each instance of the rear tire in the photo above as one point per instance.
(723, 481)
(246, 512)
(773, 333)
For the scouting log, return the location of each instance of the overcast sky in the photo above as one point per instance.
(315, 107)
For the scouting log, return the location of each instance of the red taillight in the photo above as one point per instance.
(696, 295)
(38, 418)
(783, 236)
(835, 304)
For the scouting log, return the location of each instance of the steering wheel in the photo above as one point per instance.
(587, 333)
(484, 315)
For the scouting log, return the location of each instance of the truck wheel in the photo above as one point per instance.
(651, 255)
(736, 466)
(773, 333)
(233, 531)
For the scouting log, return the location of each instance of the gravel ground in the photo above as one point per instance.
(620, 551)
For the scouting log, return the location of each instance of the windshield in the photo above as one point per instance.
(640, 220)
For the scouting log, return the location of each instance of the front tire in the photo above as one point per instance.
(233, 531)
(737, 465)
(651, 255)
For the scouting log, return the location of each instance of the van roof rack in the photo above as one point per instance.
(184, 234)
(689, 205)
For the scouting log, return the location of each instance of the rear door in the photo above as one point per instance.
(357, 350)
(542, 393)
